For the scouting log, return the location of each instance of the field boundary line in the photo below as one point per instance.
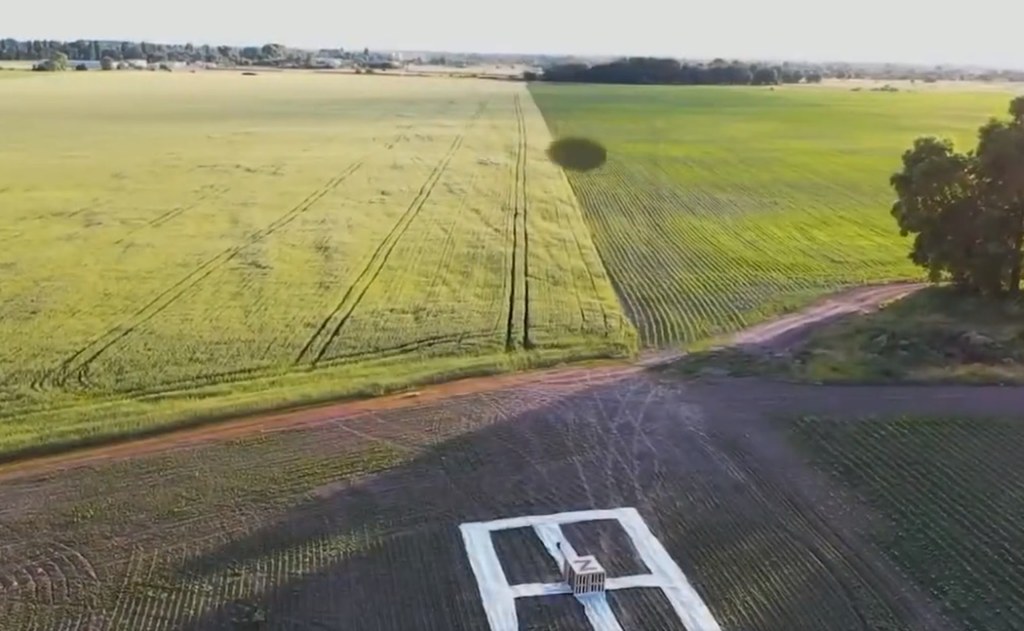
(289, 417)
(198, 430)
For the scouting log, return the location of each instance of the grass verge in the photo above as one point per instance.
(121, 420)
(934, 336)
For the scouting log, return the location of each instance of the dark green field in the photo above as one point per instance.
(719, 207)
(948, 503)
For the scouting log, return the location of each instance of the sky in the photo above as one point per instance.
(980, 32)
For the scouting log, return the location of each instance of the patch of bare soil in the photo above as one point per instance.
(789, 331)
(779, 334)
(271, 530)
(567, 379)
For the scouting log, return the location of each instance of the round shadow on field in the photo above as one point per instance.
(577, 154)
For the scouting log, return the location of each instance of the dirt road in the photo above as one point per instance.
(708, 462)
(780, 333)
(790, 330)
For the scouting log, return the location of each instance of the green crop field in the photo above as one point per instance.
(179, 247)
(949, 506)
(722, 206)
(176, 246)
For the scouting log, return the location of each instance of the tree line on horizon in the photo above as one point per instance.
(98, 50)
(666, 71)
(662, 71)
(558, 67)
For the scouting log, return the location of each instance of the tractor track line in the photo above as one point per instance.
(182, 386)
(381, 254)
(377, 261)
(163, 218)
(401, 349)
(378, 353)
(73, 365)
(309, 416)
(523, 205)
(194, 278)
(510, 342)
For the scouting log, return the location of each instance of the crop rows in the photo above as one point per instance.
(77, 364)
(947, 498)
(520, 240)
(720, 207)
(343, 311)
(348, 250)
(355, 523)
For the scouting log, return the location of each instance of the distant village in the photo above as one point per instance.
(118, 55)
(124, 55)
(324, 60)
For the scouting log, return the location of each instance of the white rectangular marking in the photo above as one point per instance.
(551, 536)
(532, 590)
(499, 602)
(499, 597)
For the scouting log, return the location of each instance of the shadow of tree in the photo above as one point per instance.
(577, 154)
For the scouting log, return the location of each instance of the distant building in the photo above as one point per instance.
(91, 64)
(326, 62)
(166, 65)
(380, 60)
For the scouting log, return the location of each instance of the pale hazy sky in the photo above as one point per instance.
(920, 31)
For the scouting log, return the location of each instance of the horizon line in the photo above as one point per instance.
(581, 55)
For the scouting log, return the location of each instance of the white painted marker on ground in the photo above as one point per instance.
(499, 597)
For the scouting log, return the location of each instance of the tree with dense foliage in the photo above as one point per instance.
(653, 70)
(790, 75)
(58, 62)
(966, 210)
(644, 70)
(107, 63)
(765, 76)
(96, 50)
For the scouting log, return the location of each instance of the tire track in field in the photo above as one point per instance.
(331, 326)
(523, 206)
(183, 386)
(417, 345)
(518, 214)
(77, 364)
(163, 218)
